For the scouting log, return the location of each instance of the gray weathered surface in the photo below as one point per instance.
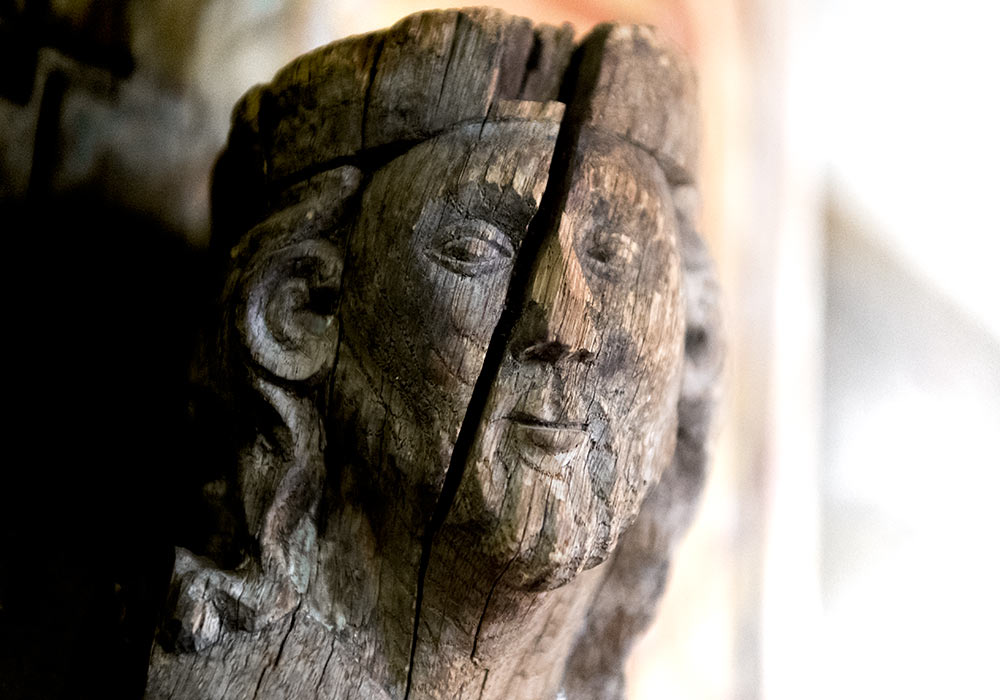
(471, 338)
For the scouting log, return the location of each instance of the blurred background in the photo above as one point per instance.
(850, 175)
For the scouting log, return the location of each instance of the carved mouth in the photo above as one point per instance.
(553, 437)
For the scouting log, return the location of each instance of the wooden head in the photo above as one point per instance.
(396, 189)
(461, 272)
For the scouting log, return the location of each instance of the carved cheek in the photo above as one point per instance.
(640, 307)
(633, 378)
(661, 337)
(461, 314)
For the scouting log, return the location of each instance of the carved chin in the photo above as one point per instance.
(535, 508)
(558, 552)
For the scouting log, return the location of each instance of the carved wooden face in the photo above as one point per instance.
(581, 418)
(581, 415)
(426, 274)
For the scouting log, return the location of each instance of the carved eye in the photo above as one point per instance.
(614, 253)
(471, 248)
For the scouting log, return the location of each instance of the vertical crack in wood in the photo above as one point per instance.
(368, 91)
(482, 688)
(576, 91)
(486, 605)
(46, 154)
(532, 63)
(456, 36)
(326, 664)
(281, 649)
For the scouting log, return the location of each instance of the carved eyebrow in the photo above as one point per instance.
(503, 206)
(605, 217)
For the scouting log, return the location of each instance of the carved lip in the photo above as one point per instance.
(553, 437)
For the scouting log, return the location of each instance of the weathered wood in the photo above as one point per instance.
(660, 117)
(466, 325)
(638, 571)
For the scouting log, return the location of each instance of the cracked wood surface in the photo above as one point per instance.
(470, 344)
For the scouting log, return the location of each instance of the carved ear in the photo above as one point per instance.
(288, 321)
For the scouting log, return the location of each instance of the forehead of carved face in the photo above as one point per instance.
(581, 416)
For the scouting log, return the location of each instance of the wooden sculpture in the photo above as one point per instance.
(470, 346)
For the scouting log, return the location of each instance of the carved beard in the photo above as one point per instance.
(548, 492)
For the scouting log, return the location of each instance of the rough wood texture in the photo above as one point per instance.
(470, 346)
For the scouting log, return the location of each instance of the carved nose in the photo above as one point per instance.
(556, 324)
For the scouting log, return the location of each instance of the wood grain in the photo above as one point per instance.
(471, 337)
